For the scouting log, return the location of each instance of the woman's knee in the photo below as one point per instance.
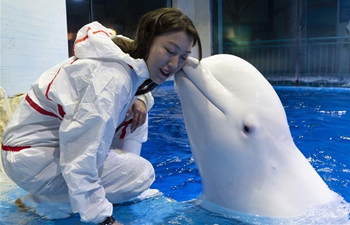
(126, 175)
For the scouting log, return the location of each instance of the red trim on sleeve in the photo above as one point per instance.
(124, 126)
(49, 86)
(13, 148)
(39, 109)
(60, 108)
(61, 111)
(74, 61)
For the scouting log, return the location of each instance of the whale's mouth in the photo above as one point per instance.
(186, 81)
(206, 83)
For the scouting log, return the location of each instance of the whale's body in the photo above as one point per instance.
(241, 142)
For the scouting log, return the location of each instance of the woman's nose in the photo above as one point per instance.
(173, 62)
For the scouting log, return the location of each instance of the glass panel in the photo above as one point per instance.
(291, 42)
(78, 14)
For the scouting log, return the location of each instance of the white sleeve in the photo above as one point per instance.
(147, 99)
(85, 138)
(127, 141)
(132, 142)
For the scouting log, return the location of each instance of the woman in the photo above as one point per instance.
(57, 144)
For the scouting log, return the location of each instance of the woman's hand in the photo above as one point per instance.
(139, 110)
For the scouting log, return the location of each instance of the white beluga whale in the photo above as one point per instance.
(241, 142)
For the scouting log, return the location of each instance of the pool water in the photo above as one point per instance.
(319, 120)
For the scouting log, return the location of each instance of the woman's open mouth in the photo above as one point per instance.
(165, 73)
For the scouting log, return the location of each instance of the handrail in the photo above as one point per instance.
(294, 40)
(321, 61)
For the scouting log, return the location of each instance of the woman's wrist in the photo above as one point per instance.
(108, 221)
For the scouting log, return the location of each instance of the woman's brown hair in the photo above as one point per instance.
(153, 24)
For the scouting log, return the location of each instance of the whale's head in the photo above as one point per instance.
(241, 142)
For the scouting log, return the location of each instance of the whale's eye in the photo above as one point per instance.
(249, 126)
(246, 128)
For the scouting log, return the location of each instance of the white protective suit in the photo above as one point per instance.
(57, 144)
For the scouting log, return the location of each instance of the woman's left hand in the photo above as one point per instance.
(139, 110)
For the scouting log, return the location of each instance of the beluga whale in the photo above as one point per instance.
(241, 142)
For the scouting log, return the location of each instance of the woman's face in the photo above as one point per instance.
(168, 55)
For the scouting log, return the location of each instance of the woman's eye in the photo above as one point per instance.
(169, 51)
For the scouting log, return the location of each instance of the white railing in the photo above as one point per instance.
(311, 61)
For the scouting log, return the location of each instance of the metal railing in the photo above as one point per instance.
(311, 61)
